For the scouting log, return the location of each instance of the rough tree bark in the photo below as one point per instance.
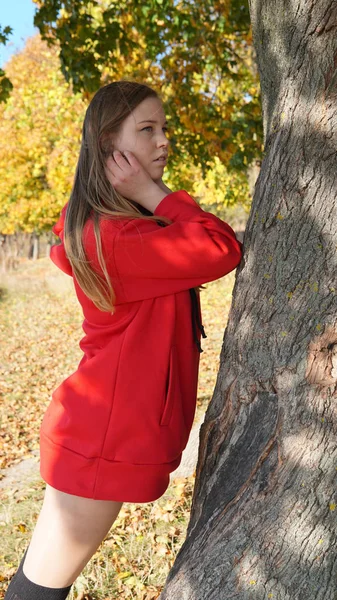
(263, 518)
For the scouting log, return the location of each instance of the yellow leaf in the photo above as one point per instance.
(123, 574)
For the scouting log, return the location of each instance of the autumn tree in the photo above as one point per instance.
(210, 97)
(198, 56)
(263, 514)
(40, 128)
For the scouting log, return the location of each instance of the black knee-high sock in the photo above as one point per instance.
(21, 588)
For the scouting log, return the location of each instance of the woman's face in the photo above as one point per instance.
(143, 133)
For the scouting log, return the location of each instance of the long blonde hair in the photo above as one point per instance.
(92, 193)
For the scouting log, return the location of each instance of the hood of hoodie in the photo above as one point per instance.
(57, 252)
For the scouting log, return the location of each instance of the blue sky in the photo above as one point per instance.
(19, 15)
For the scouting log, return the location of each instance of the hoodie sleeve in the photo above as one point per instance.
(150, 260)
(57, 252)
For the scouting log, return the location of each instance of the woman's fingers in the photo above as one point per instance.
(120, 158)
(126, 158)
(114, 168)
(123, 160)
(110, 166)
(121, 155)
(127, 176)
(116, 159)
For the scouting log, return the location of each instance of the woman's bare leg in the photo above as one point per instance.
(68, 532)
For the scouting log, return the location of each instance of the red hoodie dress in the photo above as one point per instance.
(116, 427)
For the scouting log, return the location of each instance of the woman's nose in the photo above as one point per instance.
(163, 141)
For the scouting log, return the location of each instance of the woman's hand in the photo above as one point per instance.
(130, 179)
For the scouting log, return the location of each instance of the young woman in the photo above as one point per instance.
(137, 252)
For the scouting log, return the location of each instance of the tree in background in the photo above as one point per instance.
(43, 115)
(40, 128)
(40, 132)
(198, 56)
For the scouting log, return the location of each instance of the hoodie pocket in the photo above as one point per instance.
(171, 390)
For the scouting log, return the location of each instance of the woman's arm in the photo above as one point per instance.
(148, 260)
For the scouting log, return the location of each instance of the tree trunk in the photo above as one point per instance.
(35, 247)
(263, 518)
(253, 172)
(49, 244)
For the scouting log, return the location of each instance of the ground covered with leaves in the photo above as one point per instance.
(40, 327)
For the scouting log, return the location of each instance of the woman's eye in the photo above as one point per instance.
(149, 128)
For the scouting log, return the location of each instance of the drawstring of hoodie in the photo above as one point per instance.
(195, 311)
(196, 319)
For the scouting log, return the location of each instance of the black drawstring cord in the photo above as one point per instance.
(195, 338)
(195, 318)
(195, 311)
(201, 327)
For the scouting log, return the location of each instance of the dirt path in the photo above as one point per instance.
(19, 476)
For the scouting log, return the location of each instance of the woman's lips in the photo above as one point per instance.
(161, 160)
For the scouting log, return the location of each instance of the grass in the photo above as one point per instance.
(38, 351)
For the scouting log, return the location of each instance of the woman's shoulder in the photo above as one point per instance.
(110, 225)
